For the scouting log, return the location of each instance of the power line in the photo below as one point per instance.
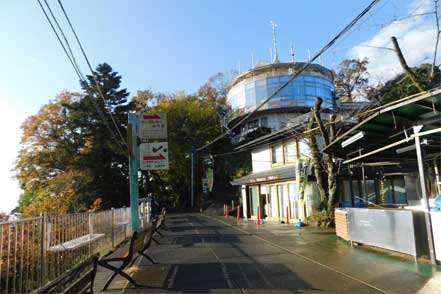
(326, 47)
(93, 74)
(59, 40)
(75, 66)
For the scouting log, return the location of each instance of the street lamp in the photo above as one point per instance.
(191, 156)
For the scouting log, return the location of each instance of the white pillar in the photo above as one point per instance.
(243, 191)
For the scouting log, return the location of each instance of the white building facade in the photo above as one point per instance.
(281, 187)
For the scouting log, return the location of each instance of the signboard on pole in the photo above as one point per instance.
(153, 156)
(152, 126)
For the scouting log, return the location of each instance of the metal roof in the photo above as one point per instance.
(390, 127)
(274, 174)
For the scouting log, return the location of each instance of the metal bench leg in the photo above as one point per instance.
(148, 257)
(156, 241)
(159, 233)
(130, 279)
(109, 281)
(133, 260)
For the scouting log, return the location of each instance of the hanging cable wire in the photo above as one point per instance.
(306, 65)
(93, 74)
(59, 40)
(76, 67)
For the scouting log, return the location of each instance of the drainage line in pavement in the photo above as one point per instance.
(300, 255)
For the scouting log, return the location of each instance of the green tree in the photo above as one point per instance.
(193, 121)
(106, 155)
(71, 155)
(402, 86)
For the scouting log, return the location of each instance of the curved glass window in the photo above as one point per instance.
(301, 92)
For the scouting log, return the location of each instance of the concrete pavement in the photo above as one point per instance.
(202, 254)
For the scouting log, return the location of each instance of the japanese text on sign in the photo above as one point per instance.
(152, 126)
(153, 156)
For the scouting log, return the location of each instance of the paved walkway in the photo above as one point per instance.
(201, 254)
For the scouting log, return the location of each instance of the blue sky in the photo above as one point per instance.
(169, 46)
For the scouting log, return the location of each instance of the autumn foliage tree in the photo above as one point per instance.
(47, 162)
(73, 158)
(70, 155)
(351, 79)
(192, 122)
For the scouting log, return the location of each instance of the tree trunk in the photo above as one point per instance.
(405, 67)
(316, 161)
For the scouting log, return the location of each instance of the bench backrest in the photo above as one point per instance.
(148, 236)
(160, 219)
(140, 240)
(77, 280)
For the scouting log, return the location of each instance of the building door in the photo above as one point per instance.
(273, 201)
(293, 199)
(254, 199)
(283, 198)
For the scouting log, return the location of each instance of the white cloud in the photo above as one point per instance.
(416, 37)
(10, 120)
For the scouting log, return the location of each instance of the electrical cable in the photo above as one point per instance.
(75, 66)
(59, 39)
(305, 66)
(93, 73)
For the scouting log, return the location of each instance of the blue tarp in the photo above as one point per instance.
(437, 206)
(356, 204)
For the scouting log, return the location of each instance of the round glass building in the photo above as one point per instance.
(247, 90)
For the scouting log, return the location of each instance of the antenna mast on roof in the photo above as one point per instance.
(292, 52)
(276, 56)
(271, 54)
(293, 69)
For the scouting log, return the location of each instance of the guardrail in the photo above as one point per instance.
(34, 251)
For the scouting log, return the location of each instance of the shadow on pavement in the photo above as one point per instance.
(213, 277)
(191, 240)
(192, 228)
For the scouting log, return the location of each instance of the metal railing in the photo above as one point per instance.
(34, 251)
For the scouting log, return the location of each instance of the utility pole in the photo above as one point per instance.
(193, 151)
(132, 129)
(416, 130)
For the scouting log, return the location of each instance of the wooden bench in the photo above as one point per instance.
(139, 243)
(80, 279)
(146, 244)
(158, 225)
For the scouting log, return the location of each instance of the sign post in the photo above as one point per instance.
(133, 169)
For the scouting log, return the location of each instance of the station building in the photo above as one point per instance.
(281, 185)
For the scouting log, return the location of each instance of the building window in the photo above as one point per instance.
(277, 154)
(289, 151)
(264, 122)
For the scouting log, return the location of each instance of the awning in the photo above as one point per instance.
(275, 174)
(381, 133)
